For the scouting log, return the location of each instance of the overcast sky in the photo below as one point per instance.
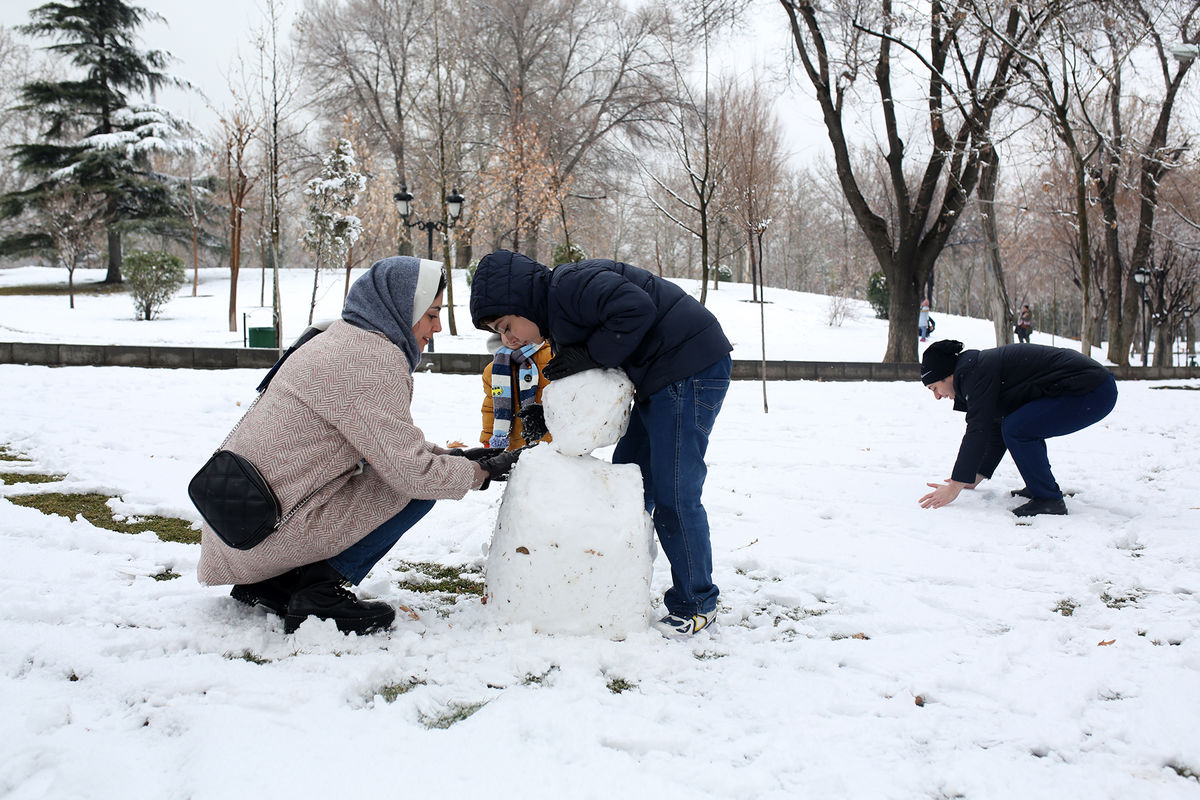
(205, 37)
(202, 36)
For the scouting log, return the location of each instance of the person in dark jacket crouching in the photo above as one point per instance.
(1016, 397)
(601, 313)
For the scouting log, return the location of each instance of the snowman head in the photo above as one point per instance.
(587, 410)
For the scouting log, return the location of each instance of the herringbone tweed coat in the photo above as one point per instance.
(340, 399)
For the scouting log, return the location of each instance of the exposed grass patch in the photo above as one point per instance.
(1121, 600)
(537, 679)
(1184, 771)
(7, 454)
(166, 575)
(619, 685)
(1066, 607)
(12, 478)
(432, 577)
(794, 614)
(50, 290)
(94, 508)
(452, 715)
(246, 655)
(390, 692)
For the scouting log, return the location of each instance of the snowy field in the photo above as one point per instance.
(866, 648)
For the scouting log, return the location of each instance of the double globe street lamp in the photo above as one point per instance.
(454, 204)
(1141, 276)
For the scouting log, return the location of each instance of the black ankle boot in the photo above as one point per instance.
(272, 594)
(319, 593)
(1042, 505)
(1022, 492)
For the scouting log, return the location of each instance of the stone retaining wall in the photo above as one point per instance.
(81, 355)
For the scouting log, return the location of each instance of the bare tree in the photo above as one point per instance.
(277, 94)
(578, 71)
(1172, 32)
(967, 73)
(239, 128)
(371, 59)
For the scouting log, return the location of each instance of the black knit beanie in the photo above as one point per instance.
(939, 360)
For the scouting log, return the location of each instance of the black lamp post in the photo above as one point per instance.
(1141, 277)
(1189, 351)
(454, 203)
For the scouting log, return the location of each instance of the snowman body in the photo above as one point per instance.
(572, 551)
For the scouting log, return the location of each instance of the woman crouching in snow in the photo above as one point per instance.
(333, 437)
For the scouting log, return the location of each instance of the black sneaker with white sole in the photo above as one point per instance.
(1041, 505)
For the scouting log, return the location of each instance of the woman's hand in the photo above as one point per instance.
(942, 494)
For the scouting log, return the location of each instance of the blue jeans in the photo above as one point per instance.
(356, 561)
(1026, 430)
(667, 438)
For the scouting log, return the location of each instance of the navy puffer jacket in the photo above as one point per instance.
(991, 384)
(625, 316)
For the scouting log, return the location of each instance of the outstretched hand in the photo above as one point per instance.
(498, 466)
(475, 453)
(942, 494)
(568, 361)
(533, 422)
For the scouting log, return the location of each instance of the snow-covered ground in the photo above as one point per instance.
(796, 323)
(867, 648)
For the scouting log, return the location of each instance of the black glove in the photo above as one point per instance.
(533, 422)
(568, 361)
(498, 466)
(475, 453)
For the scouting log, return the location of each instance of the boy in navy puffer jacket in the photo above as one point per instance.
(601, 313)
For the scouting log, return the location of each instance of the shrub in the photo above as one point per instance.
(566, 254)
(878, 294)
(153, 278)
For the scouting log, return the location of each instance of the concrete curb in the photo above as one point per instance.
(165, 357)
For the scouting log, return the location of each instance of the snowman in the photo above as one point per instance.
(573, 546)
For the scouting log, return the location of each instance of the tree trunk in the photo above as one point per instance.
(904, 306)
(1164, 345)
(998, 303)
(114, 256)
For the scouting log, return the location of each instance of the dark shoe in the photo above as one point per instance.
(1022, 492)
(272, 594)
(1041, 506)
(319, 593)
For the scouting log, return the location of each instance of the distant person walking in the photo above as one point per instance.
(1015, 398)
(923, 320)
(1024, 324)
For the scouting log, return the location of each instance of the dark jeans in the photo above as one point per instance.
(667, 438)
(356, 561)
(1026, 430)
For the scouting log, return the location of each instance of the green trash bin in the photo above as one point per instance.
(261, 337)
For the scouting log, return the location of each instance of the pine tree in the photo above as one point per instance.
(79, 112)
(332, 231)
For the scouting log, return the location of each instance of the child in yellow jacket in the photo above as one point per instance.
(514, 380)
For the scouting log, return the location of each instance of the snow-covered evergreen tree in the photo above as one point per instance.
(332, 230)
(87, 118)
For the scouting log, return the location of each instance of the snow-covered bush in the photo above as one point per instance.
(153, 278)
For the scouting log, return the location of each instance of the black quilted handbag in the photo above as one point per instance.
(235, 500)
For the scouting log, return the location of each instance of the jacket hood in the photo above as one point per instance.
(510, 283)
